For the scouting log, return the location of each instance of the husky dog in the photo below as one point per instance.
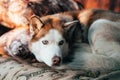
(45, 37)
(50, 38)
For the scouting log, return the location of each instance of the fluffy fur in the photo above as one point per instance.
(99, 28)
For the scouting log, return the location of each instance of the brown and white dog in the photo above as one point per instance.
(47, 39)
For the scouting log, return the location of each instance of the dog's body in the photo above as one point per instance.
(46, 39)
(102, 53)
(101, 29)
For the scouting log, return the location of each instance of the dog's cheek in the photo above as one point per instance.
(38, 57)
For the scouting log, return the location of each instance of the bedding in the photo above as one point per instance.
(11, 69)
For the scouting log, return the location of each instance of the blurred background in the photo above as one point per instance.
(113, 5)
(46, 7)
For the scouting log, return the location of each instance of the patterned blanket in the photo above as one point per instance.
(13, 70)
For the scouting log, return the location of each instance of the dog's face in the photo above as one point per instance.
(50, 47)
(48, 43)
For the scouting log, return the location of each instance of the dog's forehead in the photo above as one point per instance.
(50, 22)
(51, 28)
(53, 35)
(53, 22)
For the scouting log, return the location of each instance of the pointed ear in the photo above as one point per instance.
(69, 28)
(68, 25)
(35, 23)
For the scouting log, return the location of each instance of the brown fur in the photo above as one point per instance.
(52, 21)
(44, 24)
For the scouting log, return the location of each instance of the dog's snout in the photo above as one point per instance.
(56, 60)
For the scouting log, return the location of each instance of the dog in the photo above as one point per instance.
(45, 37)
(15, 14)
(51, 37)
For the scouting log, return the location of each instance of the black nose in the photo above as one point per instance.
(56, 60)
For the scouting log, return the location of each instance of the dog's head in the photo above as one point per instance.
(49, 41)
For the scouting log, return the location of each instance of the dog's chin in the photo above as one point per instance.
(46, 63)
(53, 66)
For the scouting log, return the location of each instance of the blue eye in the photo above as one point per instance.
(45, 42)
(61, 42)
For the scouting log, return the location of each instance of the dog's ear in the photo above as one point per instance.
(70, 30)
(70, 24)
(35, 23)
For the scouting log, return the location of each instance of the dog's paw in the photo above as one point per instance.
(17, 49)
(14, 48)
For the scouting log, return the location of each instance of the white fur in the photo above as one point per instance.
(45, 53)
(104, 38)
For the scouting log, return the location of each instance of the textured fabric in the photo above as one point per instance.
(13, 70)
